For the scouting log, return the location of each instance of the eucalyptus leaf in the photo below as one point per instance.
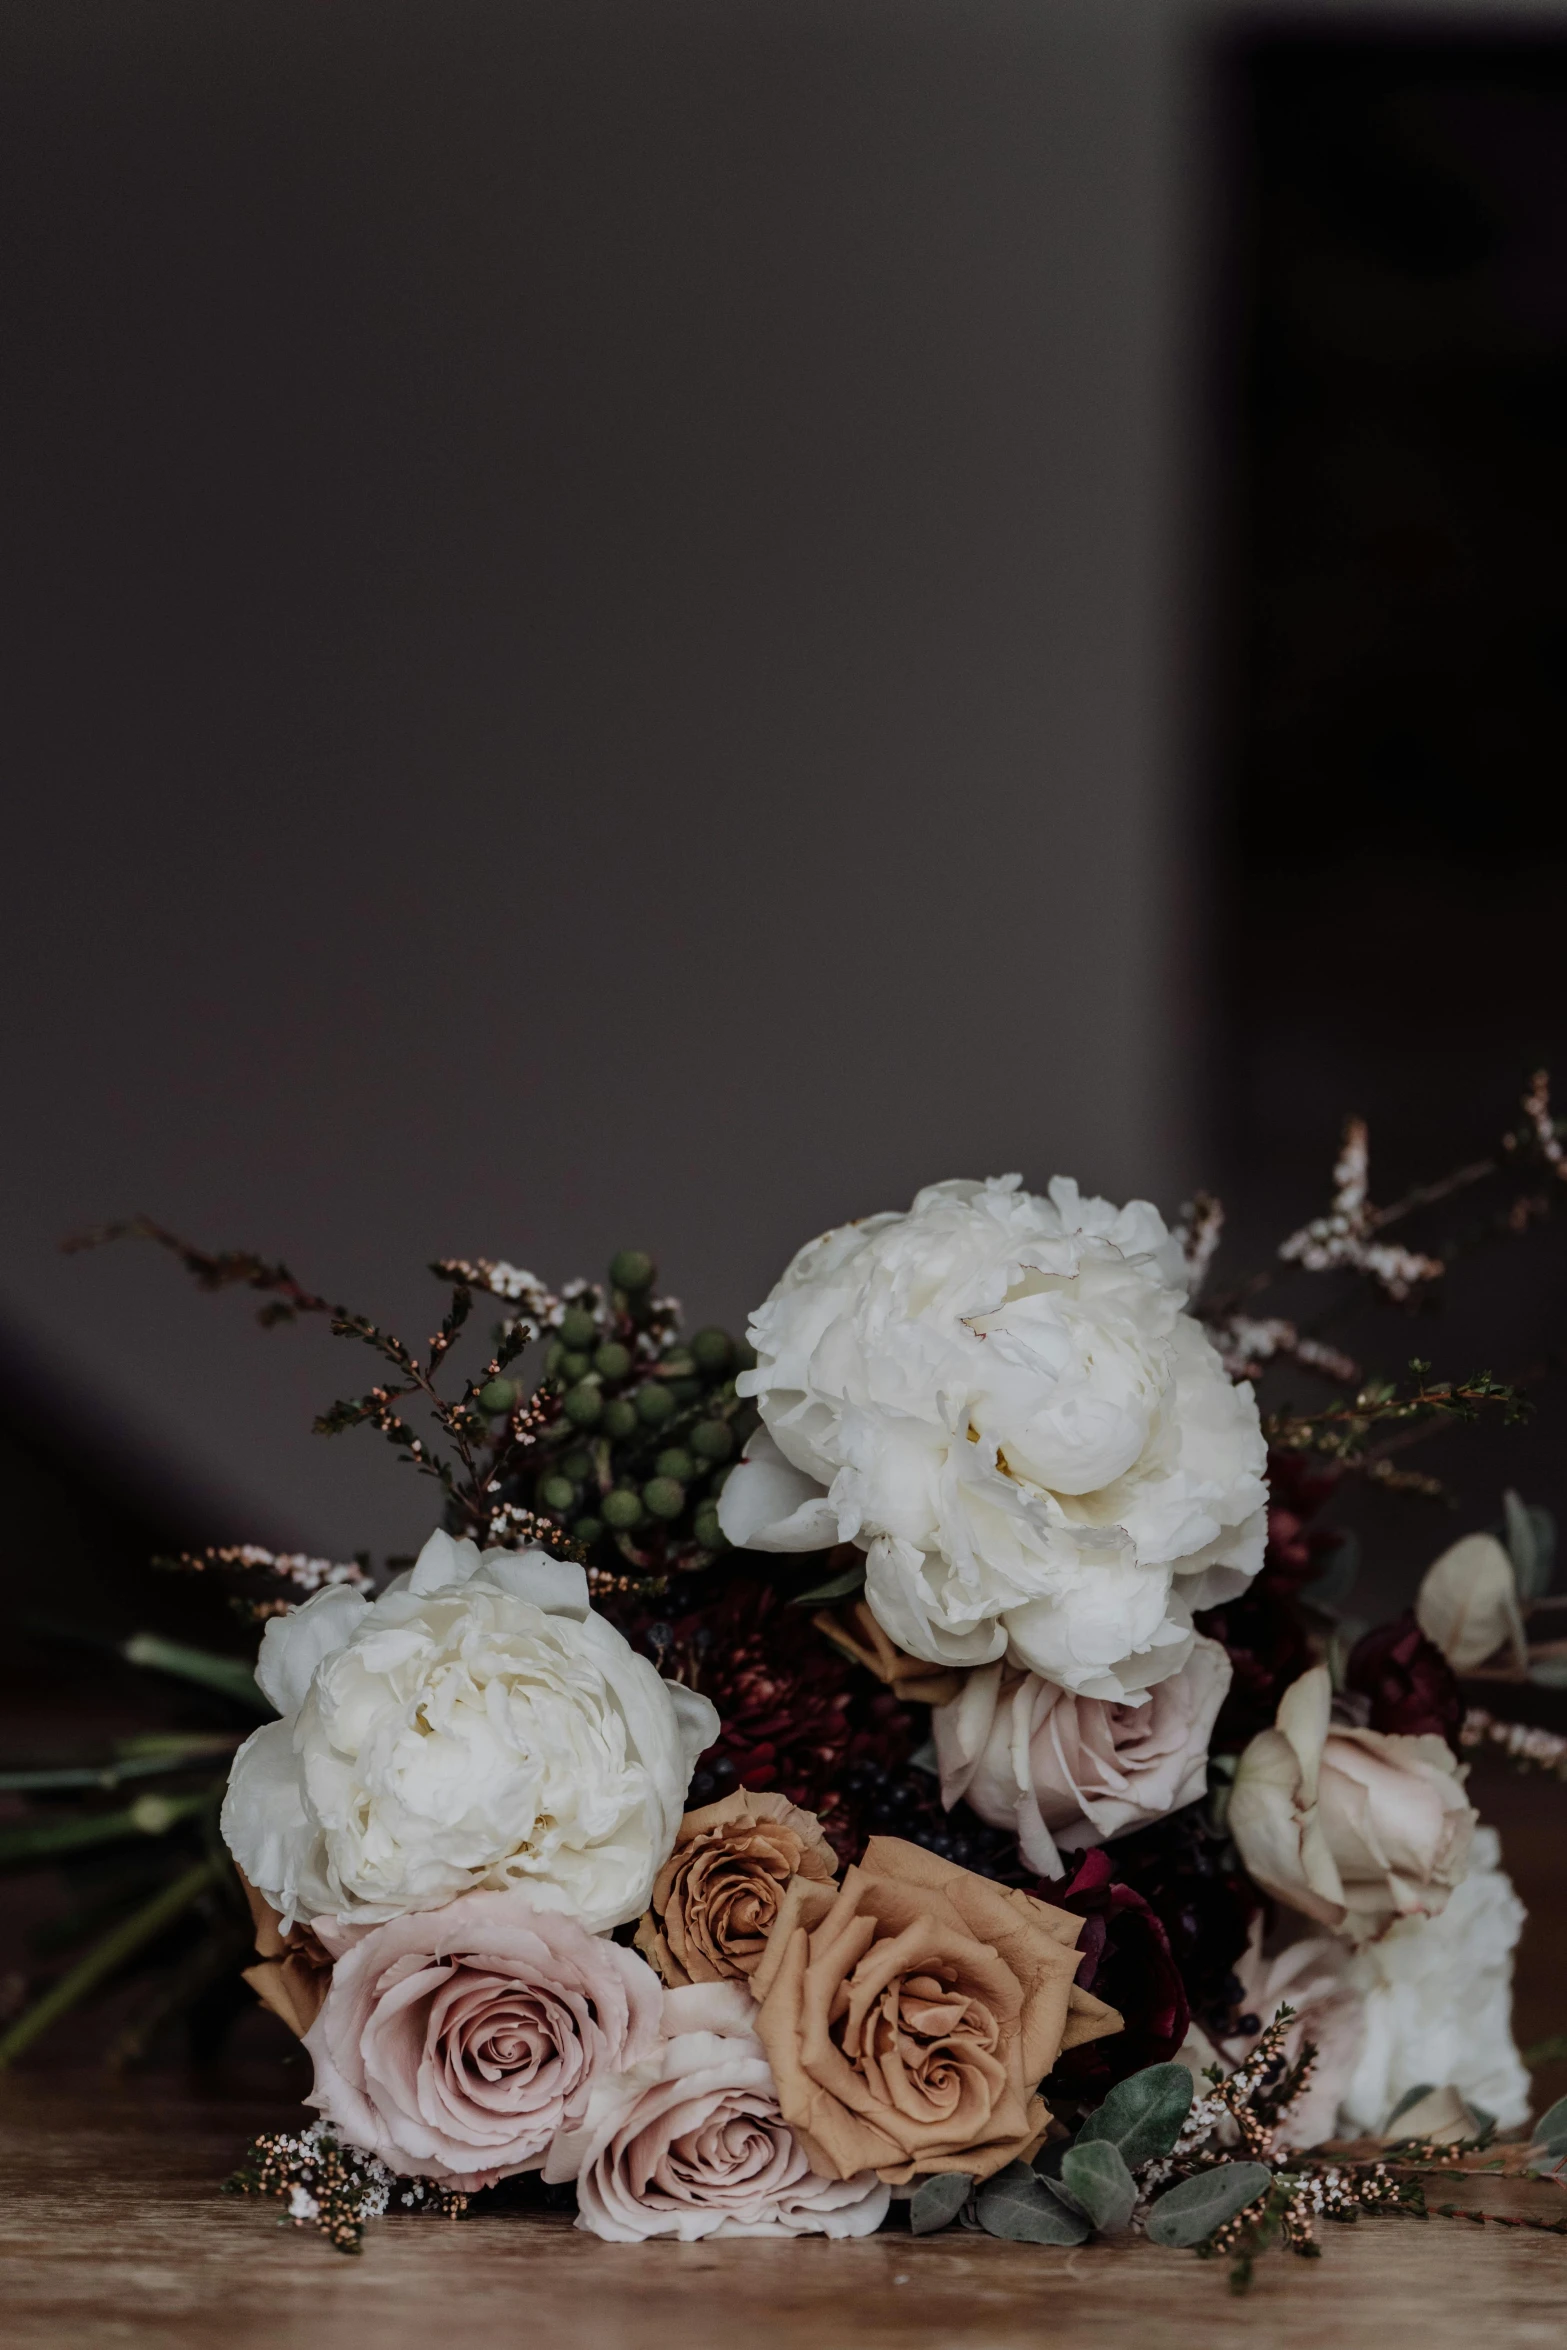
(1142, 2116)
(1096, 2177)
(1523, 1549)
(848, 1585)
(226, 1674)
(1549, 1672)
(1550, 2131)
(1021, 2209)
(1189, 2213)
(1468, 1603)
(936, 2202)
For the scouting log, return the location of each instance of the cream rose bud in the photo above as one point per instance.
(476, 1726)
(1351, 1827)
(1004, 1402)
(1063, 1772)
(691, 2143)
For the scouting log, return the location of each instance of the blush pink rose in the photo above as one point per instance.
(1063, 1772)
(458, 2042)
(693, 2144)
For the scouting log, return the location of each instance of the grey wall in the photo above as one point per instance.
(592, 607)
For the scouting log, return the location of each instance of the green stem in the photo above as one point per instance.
(140, 1766)
(150, 1815)
(132, 1934)
(226, 1674)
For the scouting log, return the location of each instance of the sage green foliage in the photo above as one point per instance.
(1530, 1535)
(1550, 2131)
(1098, 2182)
(1143, 2115)
(937, 2201)
(1020, 2207)
(226, 1674)
(848, 1585)
(1189, 2214)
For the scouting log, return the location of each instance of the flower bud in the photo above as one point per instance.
(584, 1404)
(712, 1349)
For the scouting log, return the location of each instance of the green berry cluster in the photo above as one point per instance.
(647, 1426)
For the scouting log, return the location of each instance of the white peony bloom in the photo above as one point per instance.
(1437, 1999)
(476, 1726)
(1003, 1401)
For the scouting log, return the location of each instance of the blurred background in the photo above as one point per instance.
(650, 625)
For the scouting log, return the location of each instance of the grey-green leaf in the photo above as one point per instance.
(1096, 2177)
(1550, 2131)
(1189, 2213)
(1021, 2209)
(1410, 2099)
(1530, 1535)
(936, 2202)
(848, 1585)
(1142, 2115)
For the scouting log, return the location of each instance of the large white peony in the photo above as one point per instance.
(1003, 1401)
(476, 1726)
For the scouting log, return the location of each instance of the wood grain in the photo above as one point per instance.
(113, 2234)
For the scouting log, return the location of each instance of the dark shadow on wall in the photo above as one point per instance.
(1392, 688)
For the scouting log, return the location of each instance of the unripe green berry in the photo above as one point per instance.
(577, 1464)
(664, 1497)
(578, 1328)
(655, 1405)
(676, 1462)
(706, 1528)
(587, 1531)
(631, 1269)
(712, 1349)
(622, 1509)
(552, 1355)
(584, 1404)
(573, 1367)
(612, 1360)
(557, 1493)
(711, 1440)
(498, 1395)
(685, 1390)
(620, 1418)
(679, 1363)
(744, 1355)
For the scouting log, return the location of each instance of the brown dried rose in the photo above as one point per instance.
(293, 1971)
(855, 1633)
(910, 2014)
(717, 1896)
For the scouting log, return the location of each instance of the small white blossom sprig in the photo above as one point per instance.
(265, 1582)
(334, 2188)
(1347, 1235)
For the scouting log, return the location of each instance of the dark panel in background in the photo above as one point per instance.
(1393, 687)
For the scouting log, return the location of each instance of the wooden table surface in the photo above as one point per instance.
(113, 2232)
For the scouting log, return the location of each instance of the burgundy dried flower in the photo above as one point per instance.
(1127, 1961)
(1411, 1685)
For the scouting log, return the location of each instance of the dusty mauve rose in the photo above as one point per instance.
(1349, 1826)
(692, 2144)
(1063, 1772)
(1411, 1685)
(910, 2013)
(718, 1893)
(457, 2042)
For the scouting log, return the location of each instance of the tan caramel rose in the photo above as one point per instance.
(293, 1973)
(910, 2014)
(717, 1896)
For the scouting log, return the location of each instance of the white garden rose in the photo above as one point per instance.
(1437, 1997)
(1004, 1402)
(476, 1726)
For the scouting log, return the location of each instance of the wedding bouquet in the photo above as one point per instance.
(912, 1766)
